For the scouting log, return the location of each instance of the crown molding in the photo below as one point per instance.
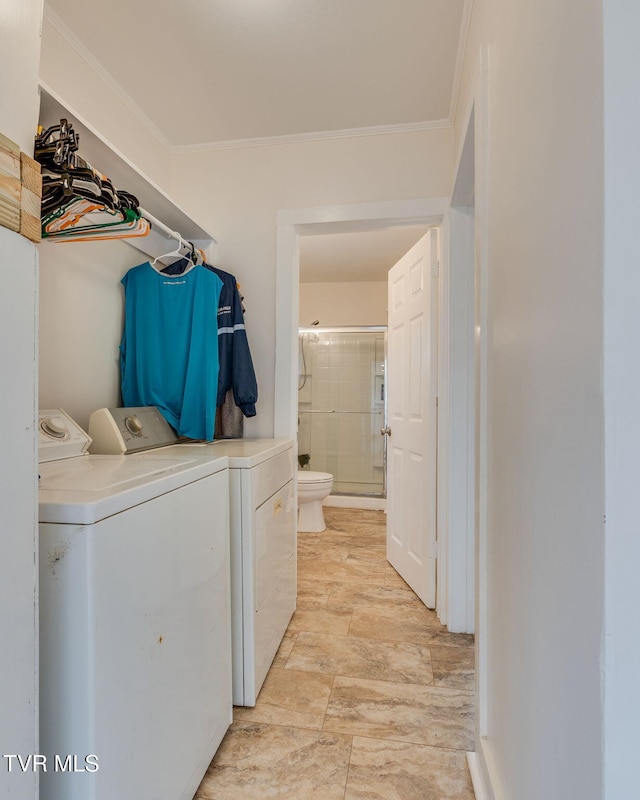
(316, 136)
(74, 42)
(268, 141)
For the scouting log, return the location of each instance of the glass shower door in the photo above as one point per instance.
(341, 407)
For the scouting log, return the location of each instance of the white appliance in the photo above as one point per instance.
(263, 531)
(135, 650)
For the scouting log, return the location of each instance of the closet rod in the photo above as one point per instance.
(155, 223)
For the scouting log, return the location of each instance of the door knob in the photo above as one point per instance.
(386, 431)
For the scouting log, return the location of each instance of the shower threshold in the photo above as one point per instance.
(378, 495)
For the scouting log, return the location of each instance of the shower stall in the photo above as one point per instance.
(341, 407)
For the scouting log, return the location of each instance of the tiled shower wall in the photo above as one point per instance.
(341, 408)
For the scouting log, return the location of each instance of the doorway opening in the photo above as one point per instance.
(293, 227)
(343, 298)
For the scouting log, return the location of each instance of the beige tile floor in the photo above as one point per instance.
(368, 697)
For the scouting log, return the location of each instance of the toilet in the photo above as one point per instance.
(313, 487)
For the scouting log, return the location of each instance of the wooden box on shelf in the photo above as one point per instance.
(31, 198)
(9, 184)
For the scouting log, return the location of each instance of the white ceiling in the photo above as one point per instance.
(219, 73)
(209, 71)
(346, 257)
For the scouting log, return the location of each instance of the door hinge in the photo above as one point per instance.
(435, 269)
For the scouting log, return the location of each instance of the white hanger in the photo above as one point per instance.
(177, 253)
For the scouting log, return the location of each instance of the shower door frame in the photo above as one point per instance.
(359, 329)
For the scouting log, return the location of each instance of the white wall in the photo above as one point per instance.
(19, 59)
(18, 512)
(237, 194)
(545, 480)
(19, 53)
(622, 397)
(362, 303)
(65, 70)
(81, 317)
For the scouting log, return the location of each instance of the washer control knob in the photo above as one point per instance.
(133, 424)
(54, 428)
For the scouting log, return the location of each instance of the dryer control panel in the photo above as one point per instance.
(59, 436)
(116, 431)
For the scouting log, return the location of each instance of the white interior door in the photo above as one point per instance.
(412, 417)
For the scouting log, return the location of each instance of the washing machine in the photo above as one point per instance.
(135, 624)
(262, 523)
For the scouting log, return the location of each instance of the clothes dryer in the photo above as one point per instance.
(135, 658)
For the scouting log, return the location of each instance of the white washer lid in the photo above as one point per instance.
(308, 476)
(86, 489)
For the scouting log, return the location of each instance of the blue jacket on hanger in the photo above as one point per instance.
(236, 366)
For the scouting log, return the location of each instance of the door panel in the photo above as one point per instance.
(412, 395)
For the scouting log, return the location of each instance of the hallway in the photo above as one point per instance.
(368, 696)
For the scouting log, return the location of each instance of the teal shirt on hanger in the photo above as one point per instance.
(169, 348)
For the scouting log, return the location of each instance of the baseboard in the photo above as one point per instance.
(352, 501)
(479, 787)
(483, 773)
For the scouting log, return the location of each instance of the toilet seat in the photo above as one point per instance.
(306, 477)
